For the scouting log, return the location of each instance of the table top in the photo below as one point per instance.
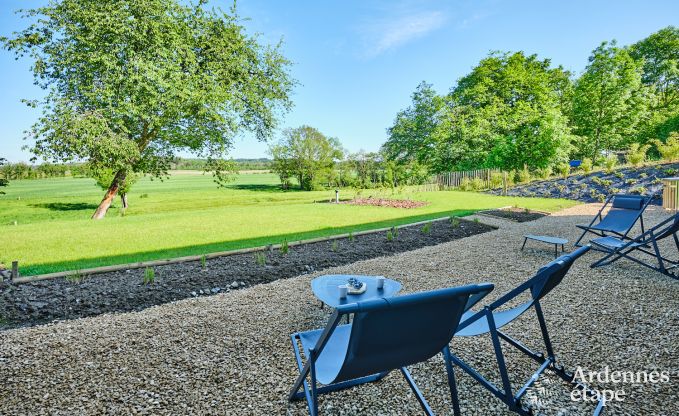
(326, 289)
(547, 239)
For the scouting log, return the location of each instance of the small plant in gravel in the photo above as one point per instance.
(75, 277)
(394, 232)
(284, 247)
(639, 190)
(614, 190)
(601, 198)
(454, 222)
(476, 220)
(610, 163)
(656, 181)
(630, 182)
(606, 182)
(582, 186)
(643, 175)
(593, 193)
(352, 238)
(596, 180)
(561, 188)
(149, 276)
(564, 169)
(260, 258)
(334, 246)
(203, 262)
(586, 165)
(390, 236)
(426, 228)
(619, 175)
(636, 155)
(670, 172)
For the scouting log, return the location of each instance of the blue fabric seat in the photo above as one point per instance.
(385, 334)
(645, 244)
(624, 212)
(491, 318)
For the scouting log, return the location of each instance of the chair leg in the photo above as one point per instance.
(525, 239)
(543, 329)
(418, 393)
(506, 384)
(313, 406)
(451, 381)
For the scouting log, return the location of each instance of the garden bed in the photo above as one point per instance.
(121, 291)
(515, 214)
(381, 202)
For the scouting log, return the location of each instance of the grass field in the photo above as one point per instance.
(45, 223)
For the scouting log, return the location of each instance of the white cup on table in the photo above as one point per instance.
(380, 283)
(342, 291)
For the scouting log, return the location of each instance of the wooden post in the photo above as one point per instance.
(15, 270)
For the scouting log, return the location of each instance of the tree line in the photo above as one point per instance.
(516, 110)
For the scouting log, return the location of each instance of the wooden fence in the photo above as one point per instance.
(480, 179)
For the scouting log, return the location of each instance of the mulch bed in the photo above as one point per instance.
(59, 299)
(515, 214)
(392, 203)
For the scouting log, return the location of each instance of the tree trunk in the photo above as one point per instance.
(109, 196)
(123, 200)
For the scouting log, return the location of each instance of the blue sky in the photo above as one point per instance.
(358, 62)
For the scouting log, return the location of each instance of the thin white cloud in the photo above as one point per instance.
(388, 34)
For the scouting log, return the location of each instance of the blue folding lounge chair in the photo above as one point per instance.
(490, 319)
(385, 334)
(624, 213)
(646, 243)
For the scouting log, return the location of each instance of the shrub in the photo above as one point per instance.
(630, 182)
(426, 228)
(75, 277)
(601, 198)
(564, 169)
(639, 190)
(149, 276)
(352, 238)
(669, 150)
(524, 175)
(643, 175)
(284, 247)
(477, 184)
(454, 222)
(334, 246)
(614, 190)
(619, 175)
(586, 165)
(394, 231)
(390, 236)
(636, 155)
(670, 172)
(545, 173)
(465, 184)
(610, 163)
(495, 179)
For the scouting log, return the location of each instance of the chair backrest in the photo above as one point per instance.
(666, 228)
(550, 275)
(390, 333)
(629, 202)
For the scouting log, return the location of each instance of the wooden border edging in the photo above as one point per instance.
(152, 263)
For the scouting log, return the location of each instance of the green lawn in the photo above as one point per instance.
(45, 223)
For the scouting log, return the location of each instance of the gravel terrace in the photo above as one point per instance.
(230, 353)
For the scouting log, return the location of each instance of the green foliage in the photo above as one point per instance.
(636, 155)
(669, 150)
(75, 277)
(308, 155)
(524, 175)
(284, 247)
(203, 262)
(630, 182)
(394, 232)
(610, 163)
(454, 222)
(149, 276)
(545, 173)
(564, 169)
(619, 175)
(608, 101)
(352, 238)
(390, 235)
(4, 181)
(426, 229)
(495, 179)
(334, 246)
(260, 258)
(586, 166)
(125, 97)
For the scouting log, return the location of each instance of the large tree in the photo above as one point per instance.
(3, 180)
(506, 113)
(131, 82)
(306, 154)
(609, 101)
(411, 138)
(659, 54)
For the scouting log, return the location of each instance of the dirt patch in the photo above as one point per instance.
(59, 299)
(392, 203)
(515, 214)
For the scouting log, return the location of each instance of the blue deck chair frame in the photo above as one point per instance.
(646, 243)
(490, 319)
(385, 334)
(625, 211)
